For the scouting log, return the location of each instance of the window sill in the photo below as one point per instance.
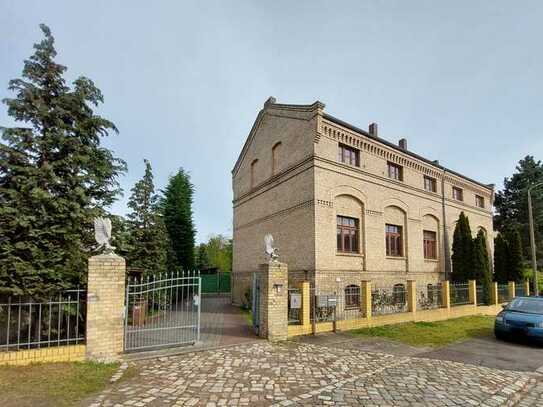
(395, 257)
(431, 260)
(349, 254)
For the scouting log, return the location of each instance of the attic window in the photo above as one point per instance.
(253, 172)
(276, 153)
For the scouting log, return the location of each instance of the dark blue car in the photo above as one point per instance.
(522, 318)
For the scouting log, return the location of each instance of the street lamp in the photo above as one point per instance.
(532, 236)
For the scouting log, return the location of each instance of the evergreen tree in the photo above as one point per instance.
(462, 250)
(202, 259)
(55, 177)
(120, 235)
(482, 271)
(512, 204)
(148, 239)
(500, 259)
(177, 210)
(514, 262)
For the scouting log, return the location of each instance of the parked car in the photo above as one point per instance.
(521, 318)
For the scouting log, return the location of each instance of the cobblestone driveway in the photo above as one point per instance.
(304, 374)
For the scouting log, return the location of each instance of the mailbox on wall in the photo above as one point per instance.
(325, 301)
(295, 301)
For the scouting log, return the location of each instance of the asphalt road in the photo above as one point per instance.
(484, 351)
(494, 353)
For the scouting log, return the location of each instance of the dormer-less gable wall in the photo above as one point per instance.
(281, 131)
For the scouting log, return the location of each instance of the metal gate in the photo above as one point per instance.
(162, 310)
(256, 304)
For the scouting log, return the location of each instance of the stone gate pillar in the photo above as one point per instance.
(105, 307)
(274, 301)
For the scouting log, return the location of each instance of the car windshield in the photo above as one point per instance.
(531, 305)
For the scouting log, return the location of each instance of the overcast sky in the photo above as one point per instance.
(183, 81)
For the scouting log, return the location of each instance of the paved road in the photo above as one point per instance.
(295, 373)
(494, 353)
(487, 351)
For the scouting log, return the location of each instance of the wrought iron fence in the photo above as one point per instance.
(482, 295)
(162, 310)
(294, 306)
(429, 296)
(28, 324)
(389, 300)
(503, 293)
(350, 303)
(519, 289)
(323, 306)
(459, 293)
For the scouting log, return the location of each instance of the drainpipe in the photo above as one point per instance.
(446, 251)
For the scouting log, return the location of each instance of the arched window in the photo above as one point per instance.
(395, 231)
(398, 293)
(430, 226)
(276, 154)
(253, 172)
(352, 296)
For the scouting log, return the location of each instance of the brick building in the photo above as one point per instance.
(343, 204)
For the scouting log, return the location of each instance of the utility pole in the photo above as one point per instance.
(532, 236)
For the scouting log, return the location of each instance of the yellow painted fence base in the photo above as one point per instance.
(438, 314)
(70, 353)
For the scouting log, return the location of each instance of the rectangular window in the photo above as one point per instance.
(395, 171)
(430, 244)
(394, 245)
(479, 201)
(430, 184)
(458, 194)
(347, 235)
(348, 155)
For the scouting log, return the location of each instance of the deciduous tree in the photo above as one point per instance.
(511, 203)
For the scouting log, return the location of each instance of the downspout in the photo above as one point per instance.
(446, 251)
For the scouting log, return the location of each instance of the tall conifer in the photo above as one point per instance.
(500, 259)
(177, 210)
(148, 238)
(482, 271)
(54, 176)
(514, 262)
(462, 250)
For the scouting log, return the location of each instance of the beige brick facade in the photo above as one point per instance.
(289, 182)
(105, 307)
(273, 301)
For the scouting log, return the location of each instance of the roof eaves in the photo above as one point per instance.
(395, 147)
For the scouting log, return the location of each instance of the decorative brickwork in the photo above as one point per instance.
(298, 197)
(105, 307)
